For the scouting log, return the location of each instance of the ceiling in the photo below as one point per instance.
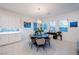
(30, 9)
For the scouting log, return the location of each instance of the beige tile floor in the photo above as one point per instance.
(22, 47)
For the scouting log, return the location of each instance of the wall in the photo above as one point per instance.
(10, 20)
(73, 33)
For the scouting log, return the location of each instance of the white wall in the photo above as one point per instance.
(10, 20)
(73, 33)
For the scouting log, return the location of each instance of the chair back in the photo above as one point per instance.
(40, 41)
(32, 39)
(59, 33)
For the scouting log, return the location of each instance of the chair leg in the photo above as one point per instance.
(43, 48)
(49, 44)
(61, 37)
(30, 44)
(37, 48)
(40, 46)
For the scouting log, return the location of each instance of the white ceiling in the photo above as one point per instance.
(31, 9)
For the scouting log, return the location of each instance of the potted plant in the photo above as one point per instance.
(39, 31)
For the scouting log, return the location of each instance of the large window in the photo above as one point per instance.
(44, 26)
(35, 26)
(53, 26)
(27, 24)
(63, 25)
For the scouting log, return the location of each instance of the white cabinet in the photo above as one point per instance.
(9, 37)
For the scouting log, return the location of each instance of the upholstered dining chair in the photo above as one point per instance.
(40, 43)
(47, 39)
(32, 41)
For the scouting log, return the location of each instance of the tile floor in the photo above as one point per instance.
(22, 47)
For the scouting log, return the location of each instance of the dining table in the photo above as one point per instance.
(41, 36)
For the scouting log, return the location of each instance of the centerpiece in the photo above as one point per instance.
(39, 31)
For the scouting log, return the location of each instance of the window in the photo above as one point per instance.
(53, 26)
(73, 24)
(63, 26)
(27, 24)
(44, 26)
(35, 26)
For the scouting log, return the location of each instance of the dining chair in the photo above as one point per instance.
(59, 34)
(40, 43)
(47, 39)
(33, 41)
